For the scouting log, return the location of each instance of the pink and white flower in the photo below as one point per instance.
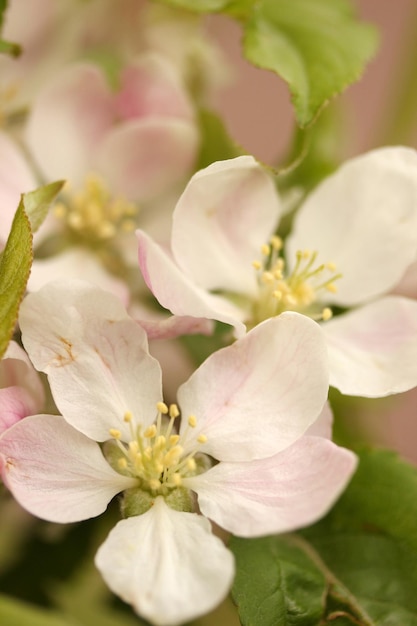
(249, 406)
(353, 238)
(21, 390)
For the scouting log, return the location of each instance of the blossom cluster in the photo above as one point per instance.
(141, 248)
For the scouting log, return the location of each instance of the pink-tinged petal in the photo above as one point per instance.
(174, 326)
(373, 350)
(95, 357)
(68, 120)
(16, 369)
(55, 472)
(287, 491)
(408, 283)
(21, 391)
(151, 87)
(259, 395)
(323, 425)
(364, 219)
(15, 179)
(179, 294)
(76, 263)
(15, 403)
(227, 211)
(167, 564)
(142, 159)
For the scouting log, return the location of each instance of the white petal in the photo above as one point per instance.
(364, 219)
(68, 120)
(287, 491)
(260, 394)
(227, 211)
(17, 370)
(177, 293)
(72, 264)
(95, 356)
(323, 425)
(56, 472)
(167, 564)
(373, 350)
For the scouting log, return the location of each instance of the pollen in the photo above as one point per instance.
(301, 288)
(158, 457)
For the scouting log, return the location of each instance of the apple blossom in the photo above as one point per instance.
(242, 447)
(352, 240)
(21, 390)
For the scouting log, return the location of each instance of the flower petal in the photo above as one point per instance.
(287, 491)
(142, 159)
(260, 394)
(364, 219)
(55, 472)
(167, 564)
(76, 263)
(179, 294)
(227, 211)
(95, 356)
(15, 179)
(373, 350)
(68, 120)
(151, 87)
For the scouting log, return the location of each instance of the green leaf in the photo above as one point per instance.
(15, 613)
(276, 583)
(198, 6)
(16, 259)
(316, 46)
(7, 47)
(360, 561)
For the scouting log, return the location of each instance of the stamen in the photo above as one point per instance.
(162, 407)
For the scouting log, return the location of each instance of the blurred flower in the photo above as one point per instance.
(21, 390)
(242, 407)
(352, 240)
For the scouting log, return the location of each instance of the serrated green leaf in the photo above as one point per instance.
(316, 46)
(15, 613)
(365, 549)
(276, 583)
(16, 258)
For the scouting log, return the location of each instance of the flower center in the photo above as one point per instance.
(156, 455)
(94, 214)
(299, 290)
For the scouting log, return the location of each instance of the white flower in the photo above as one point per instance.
(353, 239)
(248, 407)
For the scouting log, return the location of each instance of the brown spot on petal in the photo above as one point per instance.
(68, 357)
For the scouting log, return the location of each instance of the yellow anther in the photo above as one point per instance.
(174, 439)
(331, 287)
(155, 484)
(277, 294)
(116, 434)
(172, 456)
(202, 439)
(191, 465)
(276, 242)
(331, 266)
(133, 447)
(128, 226)
(278, 274)
(176, 479)
(162, 407)
(257, 265)
(268, 277)
(128, 416)
(173, 411)
(160, 442)
(326, 314)
(150, 432)
(192, 421)
(60, 210)
(266, 249)
(306, 254)
(122, 463)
